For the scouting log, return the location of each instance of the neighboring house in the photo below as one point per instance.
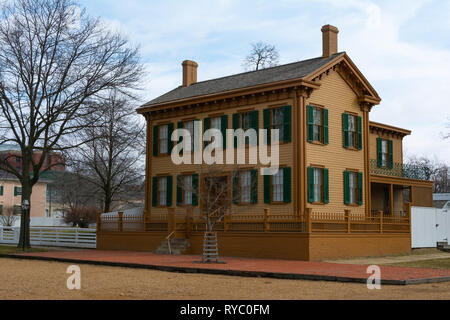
(338, 170)
(11, 196)
(12, 154)
(441, 200)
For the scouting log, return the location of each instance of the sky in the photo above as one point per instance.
(402, 47)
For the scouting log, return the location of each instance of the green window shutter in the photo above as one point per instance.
(310, 184)
(325, 126)
(179, 190)
(266, 120)
(254, 187)
(379, 160)
(224, 127)
(195, 190)
(391, 154)
(359, 124)
(346, 187)
(287, 185)
(360, 188)
(1, 190)
(267, 188)
(170, 129)
(206, 126)
(235, 187)
(16, 191)
(255, 123)
(155, 140)
(309, 122)
(155, 192)
(326, 186)
(169, 191)
(180, 138)
(1, 210)
(287, 117)
(345, 129)
(235, 127)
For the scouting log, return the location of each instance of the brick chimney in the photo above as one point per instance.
(330, 40)
(189, 72)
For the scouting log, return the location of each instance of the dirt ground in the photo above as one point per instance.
(24, 279)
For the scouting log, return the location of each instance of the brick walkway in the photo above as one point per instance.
(246, 266)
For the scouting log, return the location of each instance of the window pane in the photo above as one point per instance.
(277, 187)
(353, 187)
(216, 123)
(189, 126)
(245, 181)
(162, 188)
(277, 121)
(163, 139)
(317, 116)
(317, 185)
(188, 190)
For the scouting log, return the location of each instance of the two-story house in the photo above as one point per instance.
(341, 190)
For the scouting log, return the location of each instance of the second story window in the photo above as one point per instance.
(163, 139)
(385, 153)
(278, 119)
(317, 124)
(352, 131)
(17, 191)
(189, 126)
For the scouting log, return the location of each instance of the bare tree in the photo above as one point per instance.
(433, 170)
(112, 159)
(7, 218)
(53, 66)
(262, 56)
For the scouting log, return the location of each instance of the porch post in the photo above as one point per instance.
(408, 214)
(308, 220)
(380, 214)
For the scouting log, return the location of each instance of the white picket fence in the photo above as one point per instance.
(429, 226)
(52, 237)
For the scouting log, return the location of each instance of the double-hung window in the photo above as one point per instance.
(187, 190)
(277, 187)
(318, 185)
(353, 187)
(385, 153)
(318, 189)
(352, 143)
(189, 126)
(164, 139)
(277, 122)
(352, 131)
(245, 181)
(317, 125)
(162, 192)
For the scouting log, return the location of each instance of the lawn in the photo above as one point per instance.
(14, 249)
(434, 264)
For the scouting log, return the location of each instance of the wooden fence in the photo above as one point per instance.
(53, 237)
(310, 222)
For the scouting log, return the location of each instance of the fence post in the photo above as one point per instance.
(308, 220)
(99, 222)
(226, 223)
(188, 222)
(120, 226)
(380, 214)
(348, 220)
(266, 220)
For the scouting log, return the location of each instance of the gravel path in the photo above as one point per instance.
(23, 279)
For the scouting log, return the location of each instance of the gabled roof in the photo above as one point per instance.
(289, 71)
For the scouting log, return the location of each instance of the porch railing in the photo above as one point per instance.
(185, 223)
(402, 171)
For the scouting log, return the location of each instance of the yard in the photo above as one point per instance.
(23, 279)
(13, 249)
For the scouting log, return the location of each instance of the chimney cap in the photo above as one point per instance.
(190, 63)
(329, 27)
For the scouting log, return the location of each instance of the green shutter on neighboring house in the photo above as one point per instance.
(325, 127)
(287, 125)
(391, 154)
(1, 190)
(379, 155)
(254, 186)
(169, 191)
(179, 190)
(235, 187)
(224, 127)
(360, 188)
(345, 129)
(309, 123)
(195, 190)
(326, 186)
(287, 181)
(235, 127)
(267, 188)
(310, 184)
(170, 129)
(346, 187)
(255, 123)
(155, 140)
(359, 126)
(1, 210)
(155, 192)
(266, 120)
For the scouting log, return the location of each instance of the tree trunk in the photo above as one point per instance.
(24, 237)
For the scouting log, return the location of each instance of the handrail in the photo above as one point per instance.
(168, 241)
